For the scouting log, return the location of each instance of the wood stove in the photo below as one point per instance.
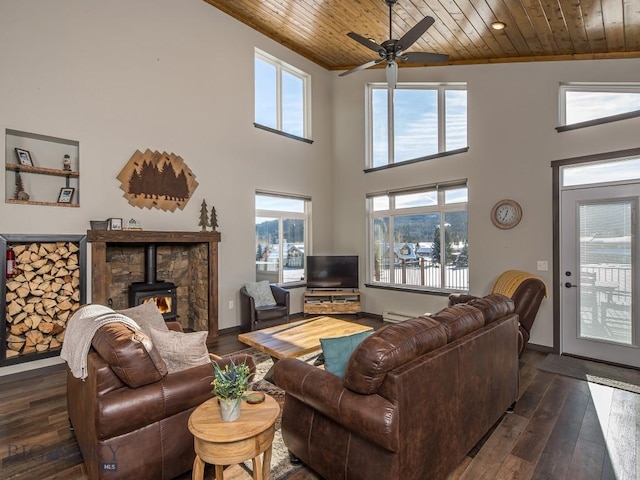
(164, 294)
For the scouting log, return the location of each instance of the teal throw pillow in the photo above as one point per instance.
(261, 293)
(338, 350)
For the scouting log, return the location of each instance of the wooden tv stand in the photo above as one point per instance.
(323, 302)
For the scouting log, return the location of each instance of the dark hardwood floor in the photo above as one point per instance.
(562, 428)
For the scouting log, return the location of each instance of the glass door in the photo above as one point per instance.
(598, 260)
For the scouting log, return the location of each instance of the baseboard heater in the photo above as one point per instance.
(395, 317)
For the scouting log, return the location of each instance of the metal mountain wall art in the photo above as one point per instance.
(157, 180)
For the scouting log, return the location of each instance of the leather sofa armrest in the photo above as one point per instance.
(127, 409)
(457, 298)
(280, 295)
(247, 311)
(370, 416)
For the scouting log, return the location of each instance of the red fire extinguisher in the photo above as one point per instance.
(11, 263)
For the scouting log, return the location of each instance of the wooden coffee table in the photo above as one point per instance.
(226, 443)
(298, 338)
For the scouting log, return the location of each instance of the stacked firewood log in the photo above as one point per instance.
(42, 296)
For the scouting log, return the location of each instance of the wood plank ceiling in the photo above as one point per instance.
(535, 29)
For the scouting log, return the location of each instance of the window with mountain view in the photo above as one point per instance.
(418, 238)
(415, 121)
(282, 223)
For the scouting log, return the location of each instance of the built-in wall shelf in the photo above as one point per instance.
(39, 162)
(46, 204)
(41, 170)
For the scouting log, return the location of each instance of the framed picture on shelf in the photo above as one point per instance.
(115, 224)
(66, 194)
(24, 157)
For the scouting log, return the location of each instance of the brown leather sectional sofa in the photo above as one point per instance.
(129, 415)
(416, 396)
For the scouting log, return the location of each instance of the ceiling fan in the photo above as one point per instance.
(391, 50)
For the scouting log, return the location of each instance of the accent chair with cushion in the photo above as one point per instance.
(130, 414)
(526, 291)
(263, 305)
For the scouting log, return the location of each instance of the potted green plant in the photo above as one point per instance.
(229, 386)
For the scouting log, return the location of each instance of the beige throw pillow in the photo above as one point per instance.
(181, 350)
(147, 316)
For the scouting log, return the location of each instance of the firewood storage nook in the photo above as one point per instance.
(48, 285)
(187, 259)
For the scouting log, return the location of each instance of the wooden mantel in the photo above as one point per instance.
(99, 240)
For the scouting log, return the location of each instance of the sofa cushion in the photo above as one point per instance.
(181, 350)
(130, 354)
(146, 315)
(261, 293)
(493, 306)
(338, 350)
(388, 348)
(459, 320)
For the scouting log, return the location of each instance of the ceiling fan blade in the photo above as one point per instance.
(366, 42)
(392, 74)
(362, 67)
(423, 57)
(415, 33)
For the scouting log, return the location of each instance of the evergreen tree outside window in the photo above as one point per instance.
(418, 238)
(282, 226)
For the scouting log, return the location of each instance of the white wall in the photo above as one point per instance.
(171, 76)
(178, 77)
(513, 110)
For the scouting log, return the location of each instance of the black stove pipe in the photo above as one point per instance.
(150, 264)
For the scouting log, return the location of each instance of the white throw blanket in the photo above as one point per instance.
(81, 328)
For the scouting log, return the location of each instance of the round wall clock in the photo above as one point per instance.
(506, 214)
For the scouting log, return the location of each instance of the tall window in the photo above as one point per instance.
(581, 102)
(281, 96)
(418, 238)
(282, 232)
(415, 121)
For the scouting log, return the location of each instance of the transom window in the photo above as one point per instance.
(418, 238)
(282, 233)
(582, 102)
(281, 96)
(414, 121)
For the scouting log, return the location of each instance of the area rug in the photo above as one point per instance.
(281, 467)
(595, 372)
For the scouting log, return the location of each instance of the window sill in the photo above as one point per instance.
(599, 121)
(284, 134)
(409, 289)
(417, 160)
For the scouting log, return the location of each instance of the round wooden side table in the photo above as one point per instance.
(226, 443)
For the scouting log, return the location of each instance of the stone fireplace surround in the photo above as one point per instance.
(188, 259)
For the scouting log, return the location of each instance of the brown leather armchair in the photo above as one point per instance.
(129, 415)
(526, 291)
(254, 318)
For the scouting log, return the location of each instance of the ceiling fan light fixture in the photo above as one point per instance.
(498, 25)
(392, 74)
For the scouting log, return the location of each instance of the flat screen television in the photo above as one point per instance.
(332, 271)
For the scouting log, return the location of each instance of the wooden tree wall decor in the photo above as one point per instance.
(157, 180)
